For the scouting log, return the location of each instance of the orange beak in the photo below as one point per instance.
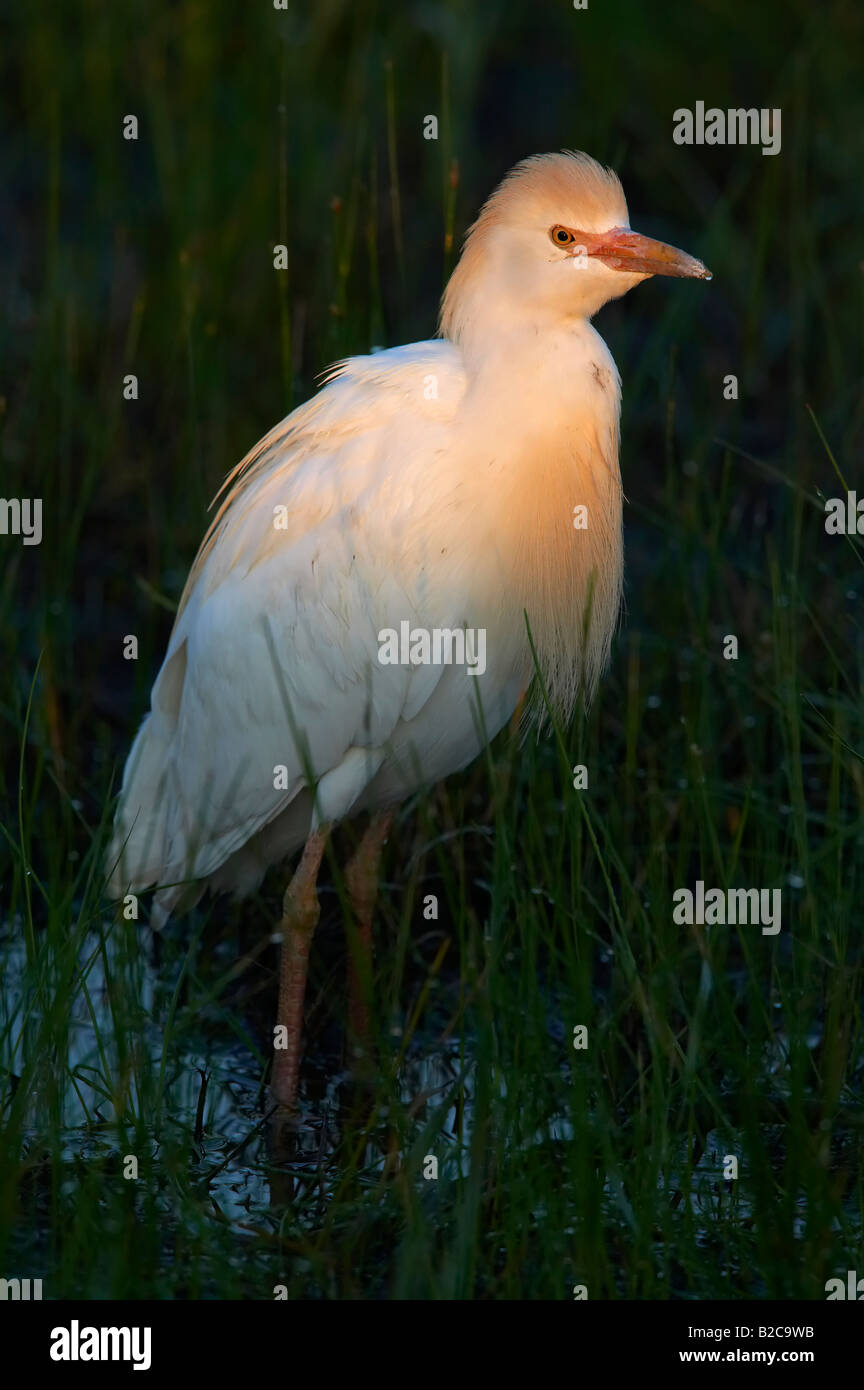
(622, 249)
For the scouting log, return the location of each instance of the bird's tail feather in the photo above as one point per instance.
(139, 852)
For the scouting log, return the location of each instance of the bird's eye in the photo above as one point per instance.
(562, 236)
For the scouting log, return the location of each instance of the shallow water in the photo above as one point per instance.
(208, 1155)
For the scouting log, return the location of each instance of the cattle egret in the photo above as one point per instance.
(325, 658)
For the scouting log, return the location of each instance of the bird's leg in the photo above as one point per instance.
(300, 912)
(361, 880)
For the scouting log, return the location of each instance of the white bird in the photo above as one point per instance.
(434, 485)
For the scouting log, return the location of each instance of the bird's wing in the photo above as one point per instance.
(271, 672)
(362, 396)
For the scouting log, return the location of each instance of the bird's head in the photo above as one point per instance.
(552, 243)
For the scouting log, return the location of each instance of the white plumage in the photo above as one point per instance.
(435, 483)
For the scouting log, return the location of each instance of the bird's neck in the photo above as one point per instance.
(542, 411)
